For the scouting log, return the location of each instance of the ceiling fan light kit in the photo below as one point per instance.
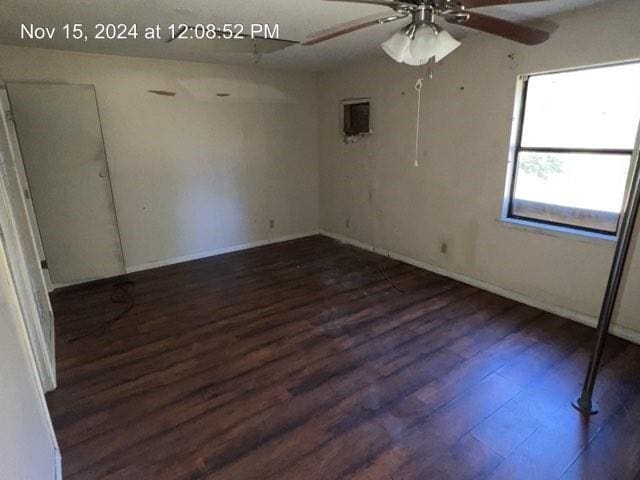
(446, 45)
(422, 39)
(397, 47)
(427, 42)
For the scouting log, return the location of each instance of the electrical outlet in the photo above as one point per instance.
(444, 248)
(347, 223)
(272, 223)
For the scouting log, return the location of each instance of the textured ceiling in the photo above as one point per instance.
(296, 20)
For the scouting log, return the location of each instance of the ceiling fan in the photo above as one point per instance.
(421, 40)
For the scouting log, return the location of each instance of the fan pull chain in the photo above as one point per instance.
(418, 86)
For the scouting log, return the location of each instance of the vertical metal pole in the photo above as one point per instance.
(584, 402)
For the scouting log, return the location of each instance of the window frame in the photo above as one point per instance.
(516, 148)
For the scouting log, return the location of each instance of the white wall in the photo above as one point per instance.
(455, 195)
(28, 449)
(195, 173)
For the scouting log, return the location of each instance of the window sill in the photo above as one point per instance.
(557, 231)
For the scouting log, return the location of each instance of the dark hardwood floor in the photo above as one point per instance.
(315, 360)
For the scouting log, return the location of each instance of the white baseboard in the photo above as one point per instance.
(217, 251)
(58, 472)
(617, 330)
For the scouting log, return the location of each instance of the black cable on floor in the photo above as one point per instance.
(381, 271)
(121, 294)
(391, 282)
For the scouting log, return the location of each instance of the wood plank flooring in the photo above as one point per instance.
(311, 360)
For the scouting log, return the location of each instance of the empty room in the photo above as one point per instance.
(319, 239)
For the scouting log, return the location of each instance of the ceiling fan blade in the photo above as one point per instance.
(350, 27)
(489, 3)
(383, 3)
(501, 28)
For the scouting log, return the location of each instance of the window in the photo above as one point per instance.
(575, 139)
(356, 118)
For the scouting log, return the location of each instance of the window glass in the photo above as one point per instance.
(575, 189)
(595, 108)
